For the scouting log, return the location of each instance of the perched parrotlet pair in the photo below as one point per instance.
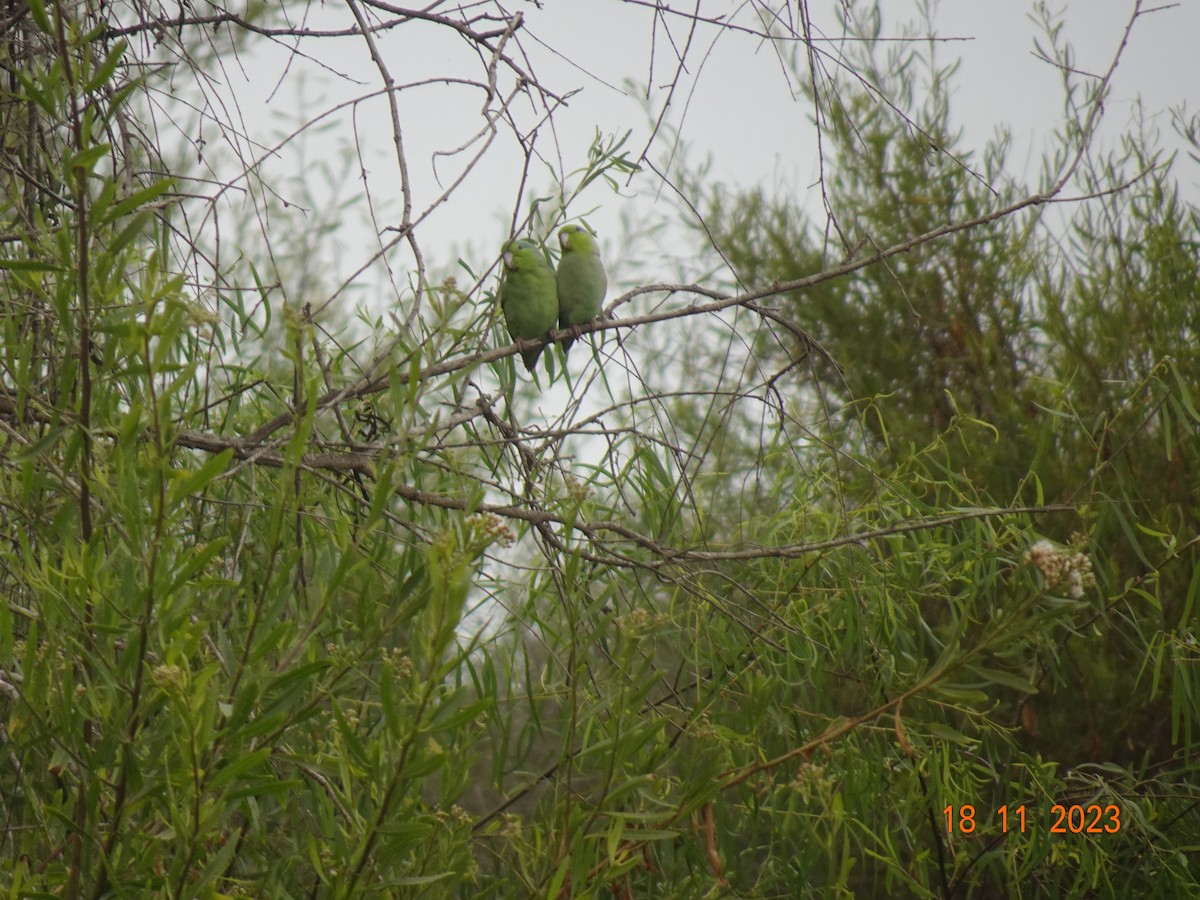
(533, 297)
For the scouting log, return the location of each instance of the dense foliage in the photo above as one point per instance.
(840, 573)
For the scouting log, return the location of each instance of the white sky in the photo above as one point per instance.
(740, 108)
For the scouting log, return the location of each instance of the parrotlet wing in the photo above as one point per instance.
(581, 279)
(528, 296)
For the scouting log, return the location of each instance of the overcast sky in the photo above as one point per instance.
(735, 103)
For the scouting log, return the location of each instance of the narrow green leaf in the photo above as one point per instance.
(29, 265)
(200, 557)
(1007, 679)
(104, 72)
(38, 10)
(188, 484)
(138, 199)
(87, 158)
(134, 229)
(239, 765)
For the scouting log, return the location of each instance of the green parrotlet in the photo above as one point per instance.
(528, 297)
(581, 279)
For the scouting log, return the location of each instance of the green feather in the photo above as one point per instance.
(581, 279)
(528, 296)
